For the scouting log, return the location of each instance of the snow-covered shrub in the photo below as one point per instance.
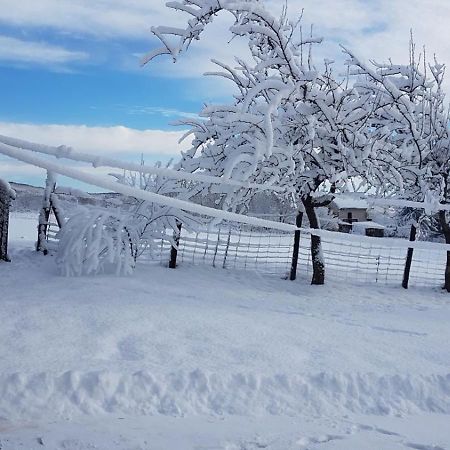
(110, 240)
(97, 241)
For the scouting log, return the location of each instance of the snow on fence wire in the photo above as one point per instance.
(347, 257)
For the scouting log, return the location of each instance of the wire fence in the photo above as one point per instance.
(347, 258)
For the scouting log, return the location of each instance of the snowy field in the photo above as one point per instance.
(204, 358)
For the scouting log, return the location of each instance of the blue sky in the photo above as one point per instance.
(93, 96)
(69, 69)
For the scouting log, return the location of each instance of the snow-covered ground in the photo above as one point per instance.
(203, 358)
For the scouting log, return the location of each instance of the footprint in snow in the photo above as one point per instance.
(423, 447)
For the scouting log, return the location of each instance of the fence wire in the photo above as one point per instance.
(270, 252)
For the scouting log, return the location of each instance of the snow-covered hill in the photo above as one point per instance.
(29, 198)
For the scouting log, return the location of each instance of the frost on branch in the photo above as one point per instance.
(410, 116)
(290, 125)
(97, 240)
(153, 222)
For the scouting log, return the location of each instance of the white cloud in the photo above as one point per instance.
(12, 49)
(375, 29)
(165, 112)
(105, 18)
(110, 141)
(336, 19)
(119, 142)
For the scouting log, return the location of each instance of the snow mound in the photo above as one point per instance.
(74, 393)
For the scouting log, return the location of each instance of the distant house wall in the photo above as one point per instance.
(359, 215)
(356, 214)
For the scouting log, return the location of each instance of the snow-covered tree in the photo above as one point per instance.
(96, 240)
(289, 124)
(410, 115)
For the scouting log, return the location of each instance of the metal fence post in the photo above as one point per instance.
(409, 257)
(294, 264)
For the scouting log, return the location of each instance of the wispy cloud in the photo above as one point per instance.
(17, 50)
(337, 19)
(375, 29)
(165, 112)
(123, 18)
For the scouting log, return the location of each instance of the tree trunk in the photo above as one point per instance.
(316, 246)
(446, 230)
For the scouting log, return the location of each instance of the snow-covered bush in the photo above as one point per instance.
(111, 240)
(97, 241)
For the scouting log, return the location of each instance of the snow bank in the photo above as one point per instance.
(198, 392)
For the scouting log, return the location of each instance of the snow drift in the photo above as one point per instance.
(180, 393)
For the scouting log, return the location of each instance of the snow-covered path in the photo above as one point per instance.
(207, 358)
(423, 432)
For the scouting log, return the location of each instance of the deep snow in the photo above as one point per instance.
(208, 358)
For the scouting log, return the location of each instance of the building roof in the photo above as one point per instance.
(368, 224)
(350, 202)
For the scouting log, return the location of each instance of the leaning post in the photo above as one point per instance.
(294, 264)
(409, 257)
(44, 215)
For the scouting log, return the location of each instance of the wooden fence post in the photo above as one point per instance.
(44, 215)
(409, 257)
(294, 264)
(174, 249)
(5, 200)
(217, 247)
(226, 250)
